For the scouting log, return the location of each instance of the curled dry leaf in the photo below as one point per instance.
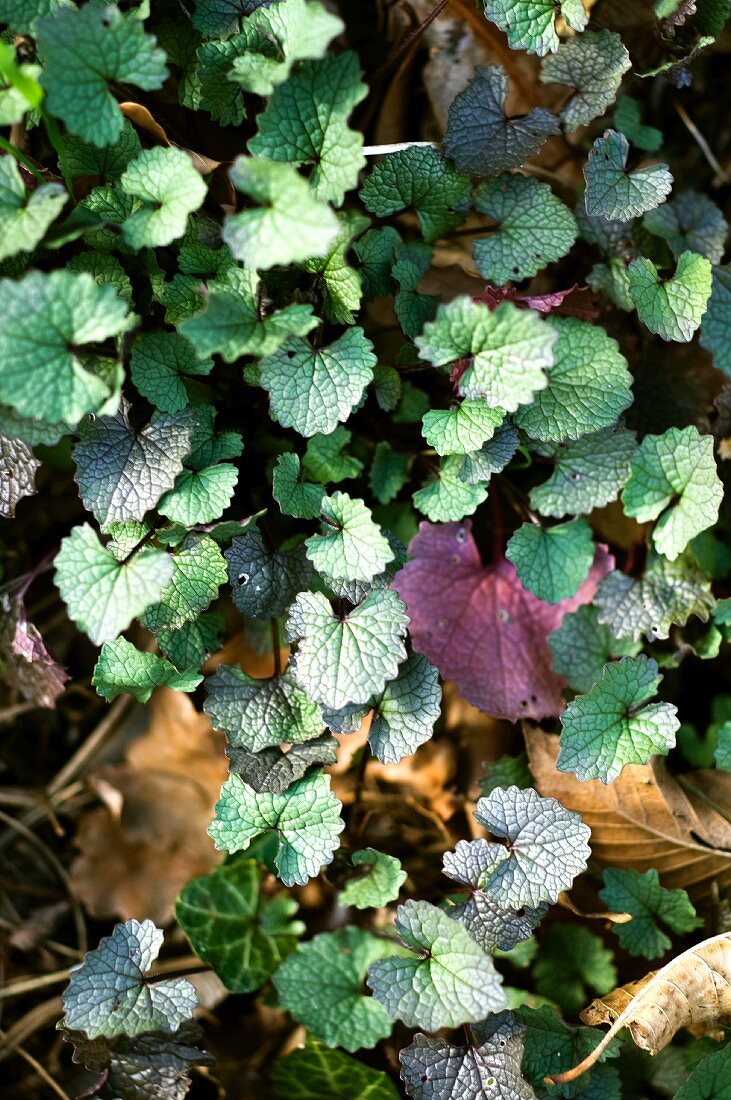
(644, 819)
(693, 990)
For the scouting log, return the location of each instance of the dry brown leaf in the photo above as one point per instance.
(139, 116)
(644, 819)
(693, 990)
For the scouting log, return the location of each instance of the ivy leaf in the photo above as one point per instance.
(160, 364)
(614, 193)
(691, 222)
(25, 663)
(462, 428)
(457, 607)
(340, 283)
(716, 323)
(351, 546)
(446, 496)
(587, 473)
(306, 820)
(494, 927)
(709, 1080)
(24, 219)
(295, 128)
(588, 385)
(550, 1046)
(273, 770)
(275, 38)
(615, 723)
(508, 771)
(674, 481)
(445, 980)
(264, 582)
(170, 189)
(18, 467)
(672, 308)
(376, 888)
(106, 161)
(347, 660)
(552, 562)
(628, 120)
(389, 472)
(288, 223)
(314, 1072)
(312, 389)
(594, 64)
(326, 458)
(103, 595)
(627, 891)
(376, 251)
(582, 646)
(412, 308)
(546, 847)
(480, 137)
(668, 592)
(529, 24)
(257, 713)
(221, 18)
(420, 178)
(84, 49)
(433, 1069)
(198, 571)
(107, 993)
(192, 644)
(205, 486)
(534, 228)
(215, 90)
(492, 457)
(321, 985)
(122, 473)
(403, 715)
(241, 933)
(121, 667)
(295, 497)
(572, 961)
(44, 371)
(509, 350)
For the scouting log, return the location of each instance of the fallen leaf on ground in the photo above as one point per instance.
(25, 663)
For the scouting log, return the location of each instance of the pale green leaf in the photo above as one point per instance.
(295, 497)
(121, 667)
(418, 178)
(350, 545)
(672, 308)
(668, 592)
(587, 473)
(169, 187)
(257, 714)
(445, 496)
(614, 193)
(198, 571)
(275, 37)
(552, 562)
(160, 365)
(24, 218)
(378, 880)
(593, 64)
(582, 646)
(691, 222)
(529, 24)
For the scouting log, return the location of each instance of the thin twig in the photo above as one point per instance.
(42, 1073)
(410, 37)
(27, 1025)
(29, 985)
(703, 145)
(276, 647)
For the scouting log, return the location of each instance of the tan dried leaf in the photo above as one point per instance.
(693, 991)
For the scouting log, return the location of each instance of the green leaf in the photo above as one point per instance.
(23, 15)
(571, 962)
(445, 496)
(204, 489)
(170, 188)
(509, 350)
(445, 980)
(84, 49)
(529, 24)
(321, 985)
(593, 64)
(295, 497)
(552, 562)
(325, 459)
(492, 457)
(412, 308)
(241, 933)
(340, 283)
(462, 428)
(198, 571)
(588, 385)
(669, 592)
(546, 847)
(716, 323)
(103, 595)
(615, 723)
(311, 389)
(582, 646)
(120, 667)
(480, 137)
(710, 1080)
(106, 161)
(221, 18)
(192, 643)
(264, 582)
(379, 885)
(650, 904)
(418, 178)
(217, 93)
(628, 120)
(614, 193)
(18, 467)
(534, 228)
(107, 993)
(24, 219)
(273, 770)
(508, 771)
(316, 1073)
(674, 481)
(587, 473)
(350, 545)
(105, 270)
(722, 752)
(672, 308)
(376, 251)
(340, 661)
(389, 472)
(122, 473)
(691, 222)
(305, 122)
(275, 38)
(551, 1046)
(288, 222)
(306, 820)
(47, 319)
(159, 365)
(259, 713)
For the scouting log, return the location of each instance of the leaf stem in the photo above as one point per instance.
(56, 140)
(276, 647)
(22, 158)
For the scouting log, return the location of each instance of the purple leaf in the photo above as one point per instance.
(575, 301)
(25, 663)
(480, 627)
